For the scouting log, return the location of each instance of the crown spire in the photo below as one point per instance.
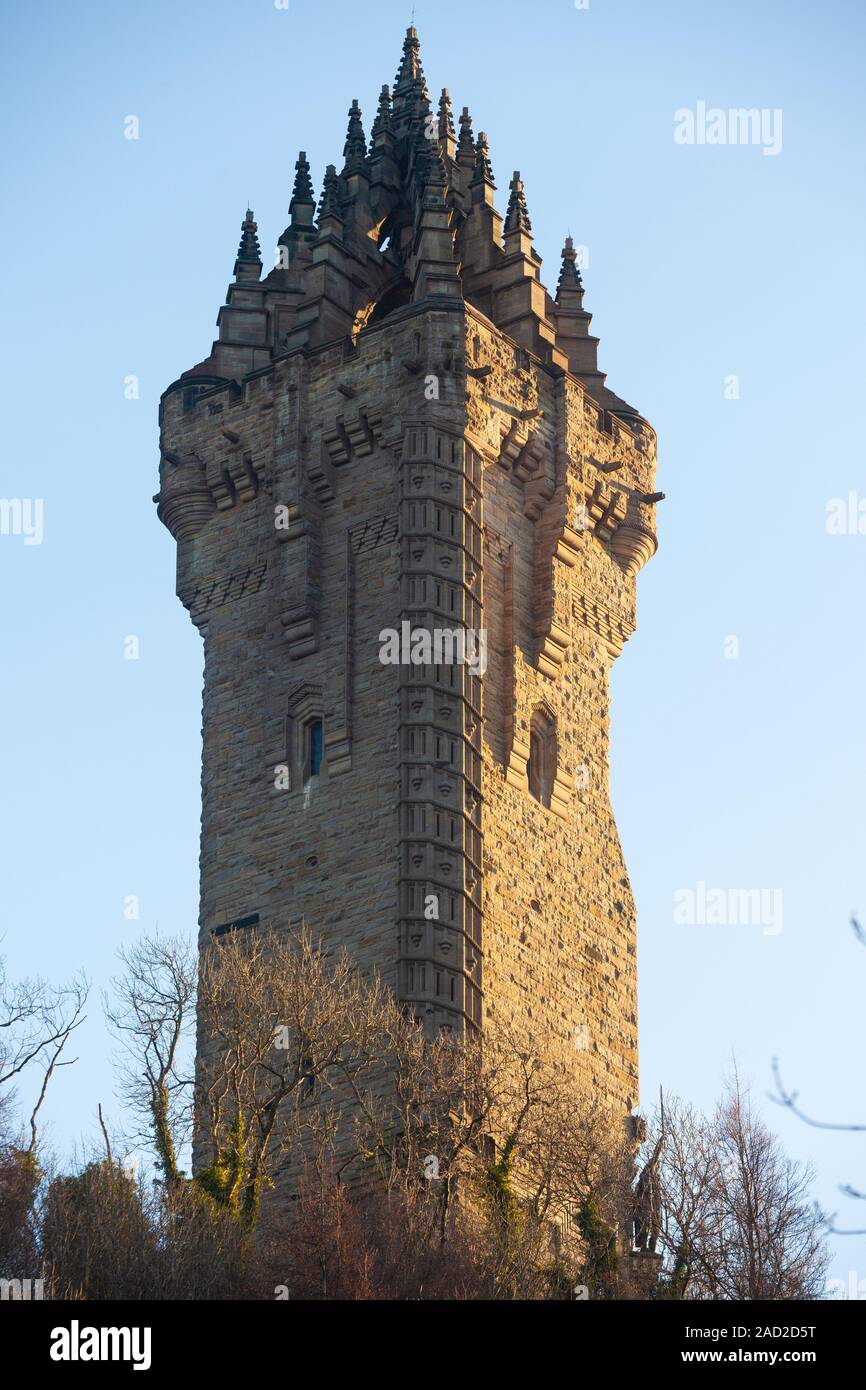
(517, 215)
(411, 98)
(355, 148)
(248, 265)
(410, 71)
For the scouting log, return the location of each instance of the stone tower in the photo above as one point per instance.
(399, 430)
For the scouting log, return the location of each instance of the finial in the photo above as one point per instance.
(355, 148)
(383, 114)
(249, 258)
(249, 251)
(517, 216)
(330, 201)
(569, 275)
(446, 119)
(465, 142)
(435, 174)
(483, 168)
(423, 150)
(303, 189)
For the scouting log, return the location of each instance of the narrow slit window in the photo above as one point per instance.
(315, 746)
(542, 761)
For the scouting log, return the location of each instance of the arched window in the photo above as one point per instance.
(305, 736)
(541, 763)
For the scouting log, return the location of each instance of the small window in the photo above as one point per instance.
(315, 747)
(541, 764)
(305, 740)
(535, 764)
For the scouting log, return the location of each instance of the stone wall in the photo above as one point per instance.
(435, 473)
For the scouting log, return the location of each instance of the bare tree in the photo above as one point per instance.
(36, 1022)
(687, 1172)
(286, 1030)
(737, 1222)
(313, 1074)
(151, 1012)
(414, 1163)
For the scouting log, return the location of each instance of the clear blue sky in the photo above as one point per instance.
(705, 262)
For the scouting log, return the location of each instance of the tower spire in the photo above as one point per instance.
(410, 70)
(411, 98)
